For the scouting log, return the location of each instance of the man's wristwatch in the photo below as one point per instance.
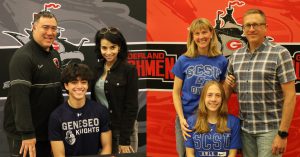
(283, 134)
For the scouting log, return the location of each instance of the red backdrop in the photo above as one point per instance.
(167, 21)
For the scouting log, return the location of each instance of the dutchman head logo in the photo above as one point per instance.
(70, 137)
(68, 51)
(229, 32)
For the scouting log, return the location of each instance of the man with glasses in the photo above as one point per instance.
(263, 74)
(35, 90)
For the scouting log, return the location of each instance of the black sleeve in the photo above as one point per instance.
(131, 106)
(20, 73)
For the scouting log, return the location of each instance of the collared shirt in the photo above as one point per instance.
(259, 76)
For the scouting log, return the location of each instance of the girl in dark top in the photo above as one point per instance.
(116, 87)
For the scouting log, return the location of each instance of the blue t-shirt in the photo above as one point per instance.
(195, 72)
(213, 143)
(79, 129)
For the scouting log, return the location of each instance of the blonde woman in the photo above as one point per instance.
(215, 132)
(201, 62)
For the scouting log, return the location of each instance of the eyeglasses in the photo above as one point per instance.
(111, 30)
(254, 25)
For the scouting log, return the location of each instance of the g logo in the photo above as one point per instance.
(234, 44)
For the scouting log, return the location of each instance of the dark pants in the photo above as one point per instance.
(133, 139)
(43, 148)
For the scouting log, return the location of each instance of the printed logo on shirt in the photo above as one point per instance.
(222, 154)
(203, 74)
(79, 114)
(40, 66)
(211, 144)
(82, 126)
(210, 153)
(56, 62)
(70, 137)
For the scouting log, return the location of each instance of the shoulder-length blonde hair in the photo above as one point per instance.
(201, 125)
(192, 48)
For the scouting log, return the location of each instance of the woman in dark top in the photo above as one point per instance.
(116, 87)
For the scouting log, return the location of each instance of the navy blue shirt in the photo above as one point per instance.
(79, 129)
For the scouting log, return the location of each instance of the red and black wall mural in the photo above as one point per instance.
(156, 32)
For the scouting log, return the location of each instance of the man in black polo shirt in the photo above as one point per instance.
(35, 90)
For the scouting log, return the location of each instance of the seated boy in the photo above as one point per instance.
(79, 126)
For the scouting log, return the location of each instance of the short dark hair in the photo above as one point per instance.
(113, 35)
(74, 70)
(44, 13)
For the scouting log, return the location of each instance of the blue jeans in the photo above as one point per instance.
(179, 139)
(258, 145)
